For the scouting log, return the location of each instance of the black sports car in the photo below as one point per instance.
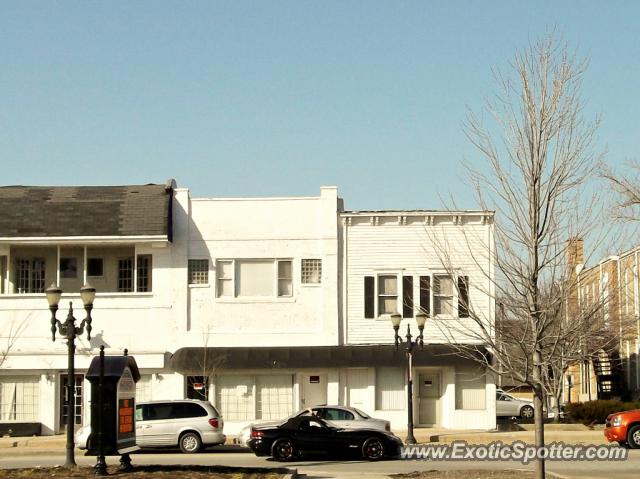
(311, 435)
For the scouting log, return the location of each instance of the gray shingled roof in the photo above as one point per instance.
(45, 211)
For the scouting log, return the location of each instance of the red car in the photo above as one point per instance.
(624, 428)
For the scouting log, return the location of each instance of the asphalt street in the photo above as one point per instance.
(337, 469)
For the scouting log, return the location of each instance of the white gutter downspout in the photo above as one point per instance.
(345, 279)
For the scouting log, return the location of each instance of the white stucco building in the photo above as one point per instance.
(261, 305)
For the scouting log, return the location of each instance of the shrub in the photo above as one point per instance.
(596, 412)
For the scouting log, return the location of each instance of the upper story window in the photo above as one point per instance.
(440, 294)
(30, 275)
(143, 274)
(68, 268)
(311, 271)
(125, 275)
(95, 267)
(387, 294)
(198, 271)
(285, 278)
(29, 269)
(254, 278)
(143, 266)
(224, 276)
(3, 273)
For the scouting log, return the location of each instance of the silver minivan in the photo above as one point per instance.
(189, 424)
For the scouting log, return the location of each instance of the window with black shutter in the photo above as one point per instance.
(463, 296)
(425, 294)
(369, 296)
(407, 296)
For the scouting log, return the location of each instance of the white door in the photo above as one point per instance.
(428, 398)
(357, 387)
(314, 390)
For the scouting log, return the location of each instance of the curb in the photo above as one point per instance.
(35, 451)
(287, 473)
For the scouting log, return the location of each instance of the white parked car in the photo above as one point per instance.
(345, 417)
(189, 424)
(511, 406)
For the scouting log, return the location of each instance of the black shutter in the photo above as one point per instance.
(425, 294)
(407, 296)
(369, 296)
(463, 296)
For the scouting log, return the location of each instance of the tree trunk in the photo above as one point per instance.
(538, 414)
(556, 407)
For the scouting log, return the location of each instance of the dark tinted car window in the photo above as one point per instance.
(153, 412)
(186, 410)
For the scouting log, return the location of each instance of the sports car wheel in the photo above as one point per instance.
(633, 437)
(373, 449)
(190, 443)
(283, 450)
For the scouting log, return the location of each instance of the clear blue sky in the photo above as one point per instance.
(279, 97)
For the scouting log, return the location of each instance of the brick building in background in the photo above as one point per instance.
(613, 282)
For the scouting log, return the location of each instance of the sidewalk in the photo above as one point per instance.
(568, 433)
(26, 446)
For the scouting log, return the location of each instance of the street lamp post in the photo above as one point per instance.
(409, 344)
(69, 330)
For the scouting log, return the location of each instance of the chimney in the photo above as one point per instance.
(575, 254)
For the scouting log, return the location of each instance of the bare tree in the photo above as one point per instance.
(9, 337)
(205, 365)
(628, 189)
(576, 332)
(538, 163)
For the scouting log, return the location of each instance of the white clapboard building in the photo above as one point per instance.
(261, 305)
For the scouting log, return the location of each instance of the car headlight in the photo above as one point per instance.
(616, 421)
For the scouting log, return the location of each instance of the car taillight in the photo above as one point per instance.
(387, 427)
(214, 423)
(255, 433)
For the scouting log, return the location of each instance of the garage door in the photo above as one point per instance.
(357, 387)
(249, 397)
(235, 397)
(275, 396)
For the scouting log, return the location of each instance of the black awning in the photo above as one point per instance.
(193, 360)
